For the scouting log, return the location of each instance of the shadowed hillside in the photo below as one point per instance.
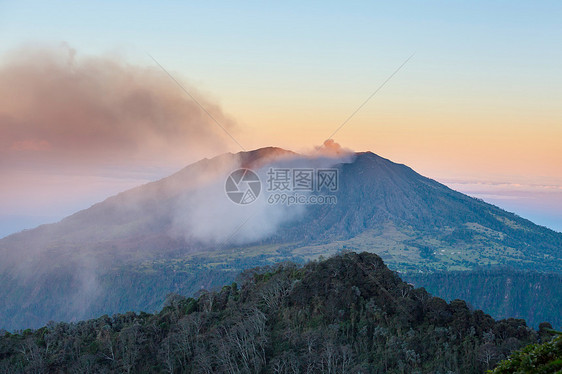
(502, 293)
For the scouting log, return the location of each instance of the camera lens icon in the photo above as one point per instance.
(243, 186)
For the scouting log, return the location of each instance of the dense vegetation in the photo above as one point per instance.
(502, 293)
(545, 358)
(347, 314)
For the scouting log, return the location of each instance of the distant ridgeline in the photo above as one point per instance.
(347, 314)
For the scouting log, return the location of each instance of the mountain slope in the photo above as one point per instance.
(348, 314)
(182, 233)
(429, 219)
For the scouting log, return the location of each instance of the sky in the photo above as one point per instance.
(86, 112)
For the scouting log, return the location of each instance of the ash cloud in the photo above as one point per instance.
(331, 149)
(60, 108)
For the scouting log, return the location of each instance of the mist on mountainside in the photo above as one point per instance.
(185, 213)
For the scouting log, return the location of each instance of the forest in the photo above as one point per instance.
(346, 314)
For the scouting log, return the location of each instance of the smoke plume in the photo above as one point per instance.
(60, 109)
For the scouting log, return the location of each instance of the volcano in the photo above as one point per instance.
(183, 233)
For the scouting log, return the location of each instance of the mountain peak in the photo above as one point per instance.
(261, 156)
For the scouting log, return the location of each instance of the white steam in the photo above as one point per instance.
(207, 215)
